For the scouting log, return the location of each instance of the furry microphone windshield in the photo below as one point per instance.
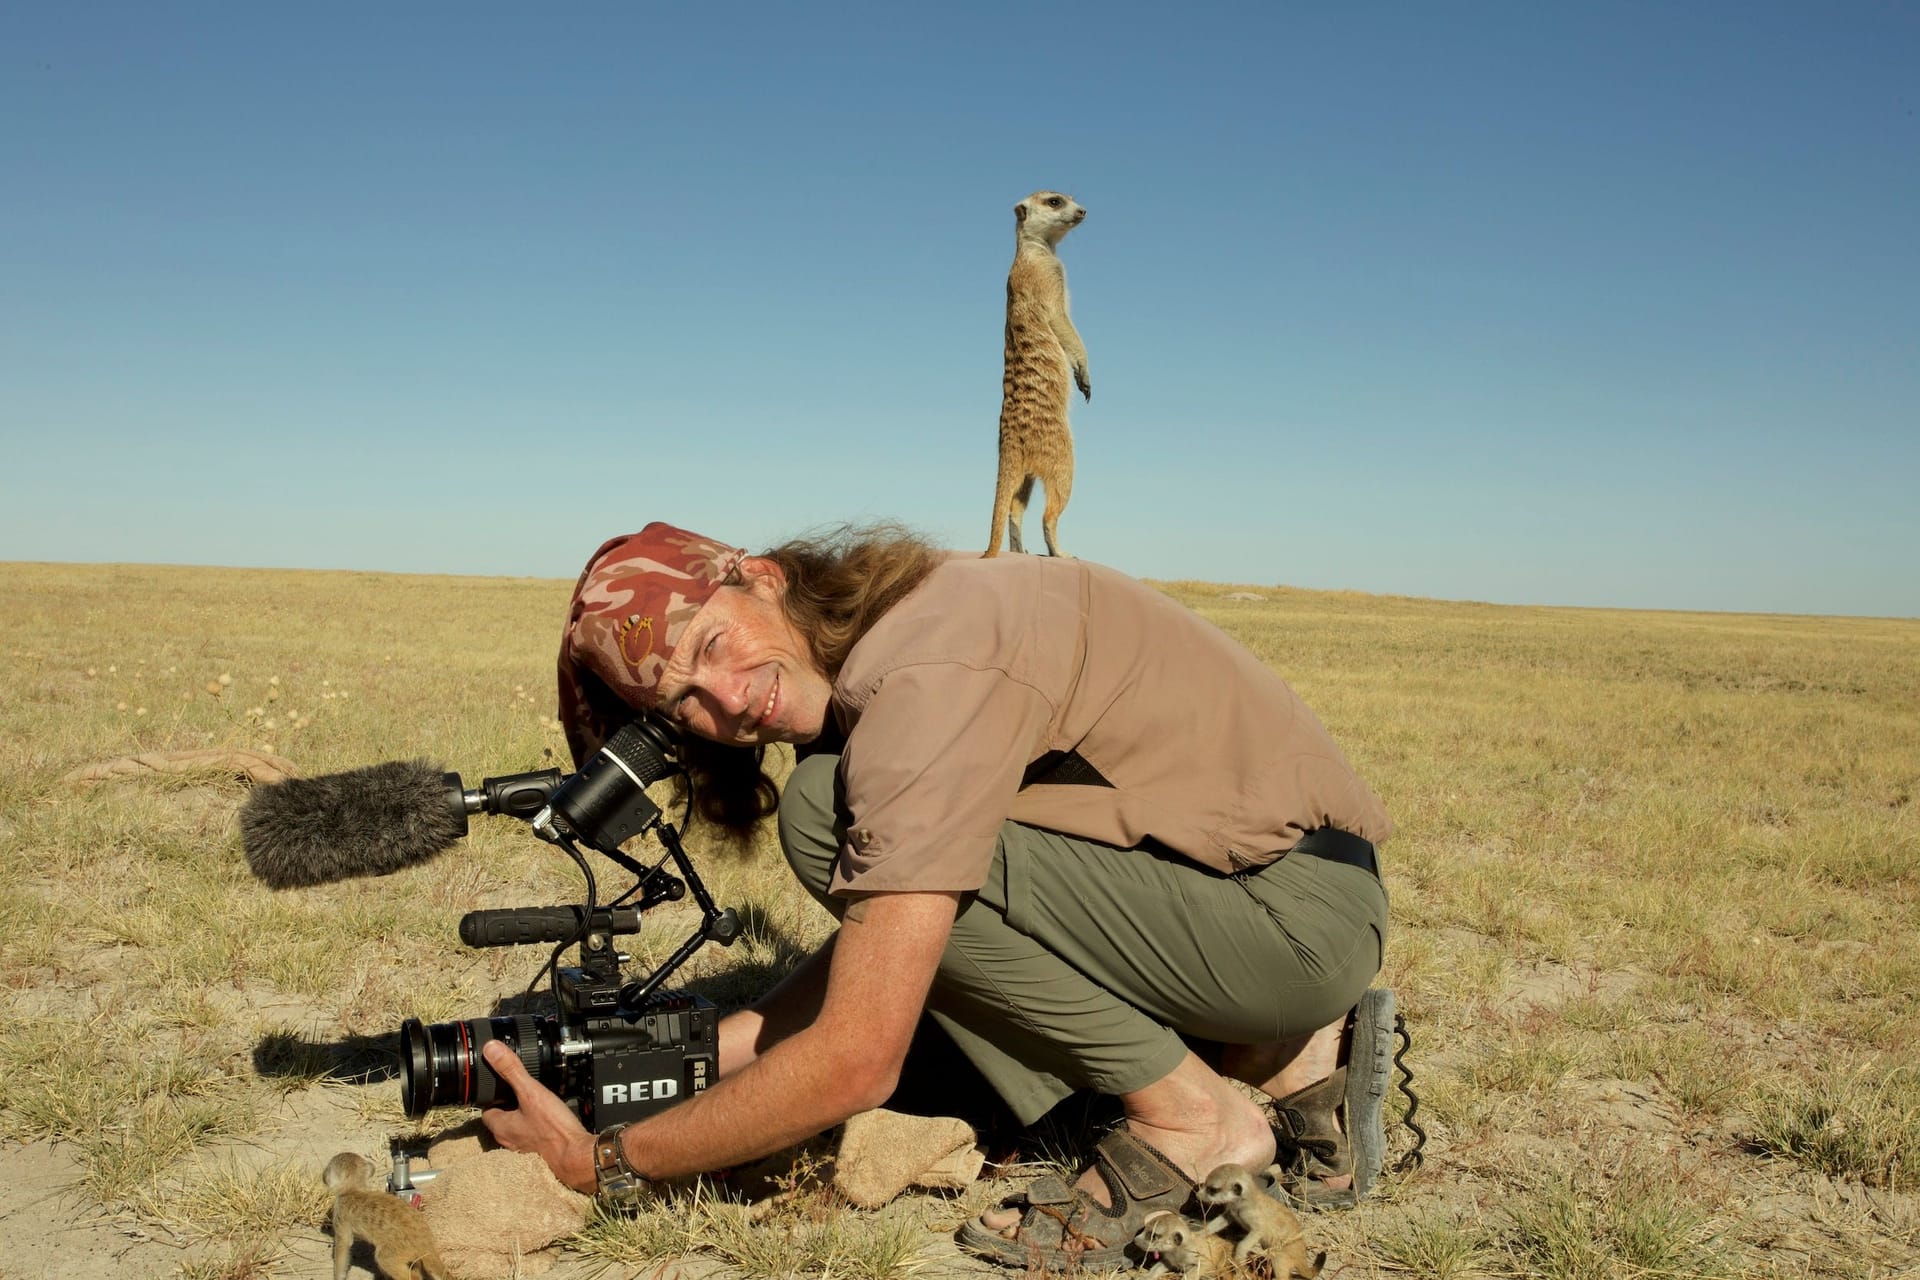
(366, 822)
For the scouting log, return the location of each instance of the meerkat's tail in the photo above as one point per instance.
(1017, 512)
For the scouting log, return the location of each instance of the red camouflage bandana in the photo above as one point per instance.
(631, 606)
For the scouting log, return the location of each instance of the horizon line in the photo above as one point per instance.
(1273, 586)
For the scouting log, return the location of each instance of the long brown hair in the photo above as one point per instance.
(839, 582)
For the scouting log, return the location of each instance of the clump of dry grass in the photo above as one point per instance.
(233, 1202)
(244, 1260)
(665, 1229)
(1858, 1122)
(1574, 1227)
(806, 1228)
(1440, 1245)
(803, 1228)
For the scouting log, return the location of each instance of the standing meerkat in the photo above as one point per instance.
(402, 1244)
(1043, 352)
(1269, 1227)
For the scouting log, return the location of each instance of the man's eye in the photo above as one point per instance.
(712, 640)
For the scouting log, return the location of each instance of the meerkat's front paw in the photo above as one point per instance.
(1084, 381)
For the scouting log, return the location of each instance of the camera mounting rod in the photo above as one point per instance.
(717, 924)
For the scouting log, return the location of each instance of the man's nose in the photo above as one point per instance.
(732, 695)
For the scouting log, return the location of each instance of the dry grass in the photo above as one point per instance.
(1655, 886)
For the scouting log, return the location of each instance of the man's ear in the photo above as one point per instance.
(763, 574)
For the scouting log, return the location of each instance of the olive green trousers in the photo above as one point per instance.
(1078, 965)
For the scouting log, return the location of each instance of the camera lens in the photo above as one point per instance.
(441, 1066)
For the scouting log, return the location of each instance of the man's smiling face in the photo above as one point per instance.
(742, 674)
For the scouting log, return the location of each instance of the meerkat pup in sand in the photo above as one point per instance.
(402, 1245)
(1043, 352)
(1269, 1227)
(1173, 1243)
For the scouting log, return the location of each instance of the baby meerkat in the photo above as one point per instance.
(1268, 1226)
(1173, 1243)
(402, 1245)
(1043, 352)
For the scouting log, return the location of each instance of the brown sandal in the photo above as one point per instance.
(1063, 1227)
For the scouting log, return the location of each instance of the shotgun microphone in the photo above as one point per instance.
(372, 821)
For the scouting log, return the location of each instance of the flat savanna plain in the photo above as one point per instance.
(1655, 906)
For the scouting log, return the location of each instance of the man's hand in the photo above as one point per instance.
(792, 1072)
(541, 1123)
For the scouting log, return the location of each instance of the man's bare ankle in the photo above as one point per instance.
(1313, 1064)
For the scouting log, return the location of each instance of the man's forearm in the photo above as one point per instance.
(858, 1017)
(791, 1090)
(792, 1005)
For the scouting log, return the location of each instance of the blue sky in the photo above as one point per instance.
(1606, 304)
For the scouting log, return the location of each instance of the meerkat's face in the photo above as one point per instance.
(1160, 1232)
(1225, 1185)
(1048, 214)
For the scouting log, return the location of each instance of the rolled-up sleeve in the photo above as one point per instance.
(930, 773)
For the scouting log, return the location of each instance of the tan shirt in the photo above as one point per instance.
(990, 665)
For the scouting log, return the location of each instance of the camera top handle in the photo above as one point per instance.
(520, 926)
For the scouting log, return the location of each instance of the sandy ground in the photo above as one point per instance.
(1788, 1221)
(50, 1231)
(1777, 1218)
